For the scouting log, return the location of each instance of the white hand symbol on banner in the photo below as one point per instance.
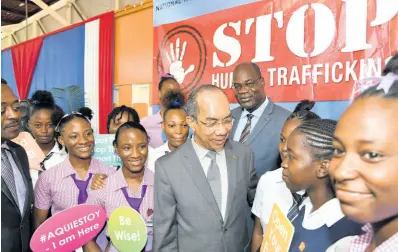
(175, 61)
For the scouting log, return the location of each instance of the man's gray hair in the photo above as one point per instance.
(191, 107)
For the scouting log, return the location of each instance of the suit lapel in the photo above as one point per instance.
(231, 158)
(262, 122)
(236, 114)
(192, 164)
(7, 193)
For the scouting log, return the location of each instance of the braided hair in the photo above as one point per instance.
(319, 134)
(119, 111)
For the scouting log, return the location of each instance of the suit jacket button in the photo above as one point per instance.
(225, 229)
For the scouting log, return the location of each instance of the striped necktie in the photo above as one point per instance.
(246, 131)
(8, 174)
(294, 209)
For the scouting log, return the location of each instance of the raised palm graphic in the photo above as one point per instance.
(175, 61)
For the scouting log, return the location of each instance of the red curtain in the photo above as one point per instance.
(106, 35)
(24, 59)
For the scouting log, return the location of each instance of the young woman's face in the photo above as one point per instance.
(287, 129)
(299, 166)
(41, 126)
(364, 165)
(132, 148)
(175, 127)
(78, 138)
(119, 120)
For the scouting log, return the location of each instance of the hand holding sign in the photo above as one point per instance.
(33, 151)
(279, 233)
(70, 229)
(127, 230)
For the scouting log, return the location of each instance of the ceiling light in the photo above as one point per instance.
(21, 4)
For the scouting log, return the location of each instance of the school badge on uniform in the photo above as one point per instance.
(302, 246)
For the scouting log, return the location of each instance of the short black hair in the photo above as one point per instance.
(173, 100)
(392, 66)
(164, 79)
(120, 110)
(42, 99)
(303, 111)
(130, 125)
(86, 111)
(319, 134)
(3, 81)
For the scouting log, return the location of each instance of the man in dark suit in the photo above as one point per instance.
(16, 184)
(258, 121)
(202, 189)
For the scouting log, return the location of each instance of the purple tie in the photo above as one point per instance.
(135, 202)
(82, 186)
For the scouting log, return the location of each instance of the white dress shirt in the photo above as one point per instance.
(222, 165)
(156, 153)
(243, 119)
(272, 189)
(56, 158)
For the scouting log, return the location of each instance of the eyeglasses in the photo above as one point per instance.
(213, 124)
(249, 85)
(67, 115)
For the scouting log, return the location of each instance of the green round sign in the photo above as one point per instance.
(127, 230)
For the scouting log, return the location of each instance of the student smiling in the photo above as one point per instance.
(364, 167)
(132, 185)
(66, 185)
(320, 222)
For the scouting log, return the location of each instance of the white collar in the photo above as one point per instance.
(56, 149)
(328, 214)
(258, 112)
(200, 151)
(163, 148)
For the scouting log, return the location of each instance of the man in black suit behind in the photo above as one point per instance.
(16, 183)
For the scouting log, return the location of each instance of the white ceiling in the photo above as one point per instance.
(68, 10)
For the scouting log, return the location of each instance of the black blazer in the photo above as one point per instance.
(16, 230)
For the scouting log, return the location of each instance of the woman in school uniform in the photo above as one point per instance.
(271, 188)
(320, 222)
(174, 126)
(364, 167)
(153, 123)
(132, 185)
(66, 184)
(44, 115)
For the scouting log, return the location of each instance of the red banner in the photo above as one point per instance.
(24, 59)
(305, 49)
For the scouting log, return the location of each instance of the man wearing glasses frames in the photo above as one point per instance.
(258, 121)
(203, 188)
(16, 184)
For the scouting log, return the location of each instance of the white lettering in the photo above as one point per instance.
(385, 11)
(227, 44)
(324, 30)
(355, 32)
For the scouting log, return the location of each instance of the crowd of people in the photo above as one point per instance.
(204, 177)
